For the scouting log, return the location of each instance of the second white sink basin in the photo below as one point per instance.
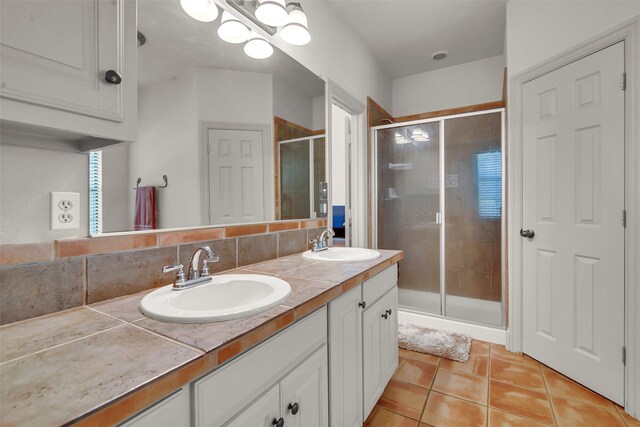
(226, 297)
(341, 254)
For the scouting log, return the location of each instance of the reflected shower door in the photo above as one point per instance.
(473, 218)
(295, 168)
(408, 168)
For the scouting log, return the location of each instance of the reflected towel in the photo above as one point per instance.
(146, 217)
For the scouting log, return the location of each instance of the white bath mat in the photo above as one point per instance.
(432, 341)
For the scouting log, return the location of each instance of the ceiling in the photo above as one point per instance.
(176, 42)
(402, 34)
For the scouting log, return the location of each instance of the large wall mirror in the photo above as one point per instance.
(222, 139)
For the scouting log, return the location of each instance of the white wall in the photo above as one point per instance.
(472, 83)
(338, 155)
(319, 109)
(168, 132)
(27, 177)
(539, 30)
(336, 53)
(117, 188)
(292, 105)
(167, 144)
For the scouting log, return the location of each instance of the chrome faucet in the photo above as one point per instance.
(193, 277)
(321, 243)
(194, 262)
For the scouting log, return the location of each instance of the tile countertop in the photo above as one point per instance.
(92, 365)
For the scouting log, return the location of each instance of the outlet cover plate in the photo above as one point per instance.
(65, 210)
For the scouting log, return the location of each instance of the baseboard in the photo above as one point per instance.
(483, 333)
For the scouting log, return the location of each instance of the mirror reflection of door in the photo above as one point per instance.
(235, 176)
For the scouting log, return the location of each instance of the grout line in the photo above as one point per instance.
(65, 343)
(196, 349)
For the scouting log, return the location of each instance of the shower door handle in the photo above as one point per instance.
(527, 233)
(438, 218)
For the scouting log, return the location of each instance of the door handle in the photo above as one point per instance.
(527, 233)
(278, 422)
(294, 408)
(385, 315)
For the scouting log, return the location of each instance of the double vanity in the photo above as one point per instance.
(295, 341)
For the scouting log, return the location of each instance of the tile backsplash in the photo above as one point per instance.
(86, 271)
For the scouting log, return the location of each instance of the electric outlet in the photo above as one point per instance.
(65, 213)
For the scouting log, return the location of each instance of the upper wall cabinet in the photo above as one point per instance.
(70, 66)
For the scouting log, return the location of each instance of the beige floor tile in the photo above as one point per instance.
(505, 419)
(404, 398)
(415, 372)
(500, 352)
(631, 422)
(477, 365)
(517, 374)
(520, 401)
(421, 357)
(480, 347)
(572, 413)
(559, 385)
(448, 411)
(461, 385)
(381, 417)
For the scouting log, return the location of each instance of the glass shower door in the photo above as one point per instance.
(408, 217)
(473, 218)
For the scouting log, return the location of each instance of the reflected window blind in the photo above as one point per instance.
(95, 192)
(489, 166)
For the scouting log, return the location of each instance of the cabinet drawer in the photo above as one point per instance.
(223, 393)
(172, 411)
(379, 284)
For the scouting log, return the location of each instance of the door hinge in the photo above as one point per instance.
(624, 81)
(624, 218)
(624, 355)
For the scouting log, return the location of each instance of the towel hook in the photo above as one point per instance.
(164, 178)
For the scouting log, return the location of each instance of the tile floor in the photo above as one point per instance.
(495, 388)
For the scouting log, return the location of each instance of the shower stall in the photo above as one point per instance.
(438, 194)
(302, 170)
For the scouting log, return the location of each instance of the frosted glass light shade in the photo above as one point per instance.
(257, 47)
(272, 12)
(419, 135)
(200, 10)
(296, 31)
(232, 30)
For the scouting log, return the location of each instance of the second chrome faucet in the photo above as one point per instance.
(194, 276)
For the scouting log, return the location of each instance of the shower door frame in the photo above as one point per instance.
(443, 217)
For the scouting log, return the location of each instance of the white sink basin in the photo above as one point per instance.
(225, 297)
(339, 254)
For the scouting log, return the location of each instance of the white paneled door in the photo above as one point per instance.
(236, 182)
(573, 202)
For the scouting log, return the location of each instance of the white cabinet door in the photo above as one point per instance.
(345, 359)
(261, 413)
(56, 54)
(380, 352)
(172, 411)
(373, 337)
(305, 396)
(390, 334)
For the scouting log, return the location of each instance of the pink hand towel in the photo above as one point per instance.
(146, 209)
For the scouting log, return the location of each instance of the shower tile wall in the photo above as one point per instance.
(473, 242)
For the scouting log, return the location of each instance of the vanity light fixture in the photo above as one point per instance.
(200, 10)
(232, 30)
(419, 135)
(257, 47)
(401, 139)
(296, 31)
(272, 12)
